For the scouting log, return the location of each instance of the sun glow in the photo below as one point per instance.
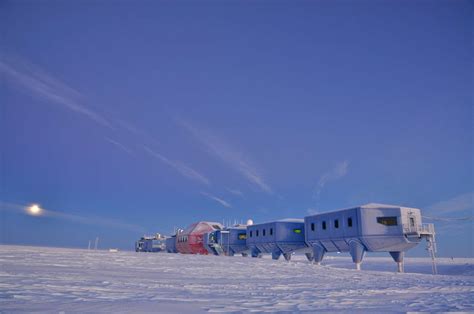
(34, 210)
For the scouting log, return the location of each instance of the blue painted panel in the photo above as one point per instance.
(233, 238)
(278, 236)
(171, 245)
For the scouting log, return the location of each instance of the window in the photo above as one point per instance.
(271, 231)
(349, 222)
(216, 227)
(250, 233)
(324, 225)
(242, 236)
(297, 230)
(256, 233)
(387, 221)
(412, 222)
(312, 226)
(263, 232)
(336, 223)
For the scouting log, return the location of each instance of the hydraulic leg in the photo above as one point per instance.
(398, 258)
(318, 252)
(357, 251)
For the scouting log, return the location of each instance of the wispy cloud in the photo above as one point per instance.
(38, 83)
(223, 151)
(458, 204)
(339, 171)
(452, 216)
(217, 199)
(119, 145)
(179, 166)
(103, 222)
(236, 192)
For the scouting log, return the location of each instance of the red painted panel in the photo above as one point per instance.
(190, 241)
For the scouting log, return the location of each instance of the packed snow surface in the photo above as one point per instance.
(53, 279)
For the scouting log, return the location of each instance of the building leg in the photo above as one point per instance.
(276, 255)
(318, 253)
(398, 258)
(357, 251)
(358, 266)
(287, 256)
(256, 253)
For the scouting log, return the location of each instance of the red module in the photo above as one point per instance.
(190, 241)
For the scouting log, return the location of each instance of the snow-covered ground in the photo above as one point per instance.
(53, 279)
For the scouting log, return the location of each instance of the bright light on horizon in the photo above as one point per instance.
(34, 210)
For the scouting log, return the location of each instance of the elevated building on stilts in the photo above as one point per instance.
(281, 237)
(369, 228)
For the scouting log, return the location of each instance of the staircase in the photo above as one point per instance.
(426, 231)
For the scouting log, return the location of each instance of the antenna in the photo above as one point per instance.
(96, 243)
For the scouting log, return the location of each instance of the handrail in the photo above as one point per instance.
(426, 228)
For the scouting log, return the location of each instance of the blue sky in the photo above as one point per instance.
(128, 118)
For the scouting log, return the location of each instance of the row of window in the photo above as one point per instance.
(324, 224)
(183, 239)
(296, 230)
(387, 221)
(263, 232)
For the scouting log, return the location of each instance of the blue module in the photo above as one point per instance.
(171, 244)
(150, 244)
(371, 227)
(229, 241)
(278, 237)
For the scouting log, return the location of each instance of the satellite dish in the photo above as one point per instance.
(249, 222)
